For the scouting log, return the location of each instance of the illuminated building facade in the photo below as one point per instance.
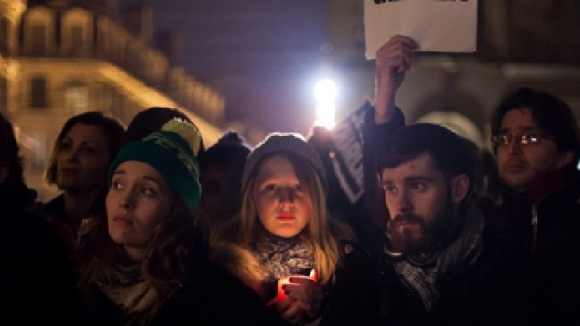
(60, 58)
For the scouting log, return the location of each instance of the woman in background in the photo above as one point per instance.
(82, 152)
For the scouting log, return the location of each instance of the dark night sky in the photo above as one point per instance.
(262, 54)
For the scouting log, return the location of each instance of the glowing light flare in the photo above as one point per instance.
(325, 93)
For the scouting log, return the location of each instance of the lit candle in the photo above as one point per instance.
(286, 280)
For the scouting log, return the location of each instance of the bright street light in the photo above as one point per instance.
(325, 93)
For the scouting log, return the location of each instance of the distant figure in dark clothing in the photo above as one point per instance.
(221, 167)
(36, 277)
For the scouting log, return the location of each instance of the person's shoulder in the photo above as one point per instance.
(355, 257)
(55, 206)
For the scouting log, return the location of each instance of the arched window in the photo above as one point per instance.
(38, 31)
(76, 31)
(38, 39)
(76, 98)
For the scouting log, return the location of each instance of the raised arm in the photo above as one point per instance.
(393, 60)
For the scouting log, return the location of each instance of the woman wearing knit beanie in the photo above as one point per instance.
(142, 263)
(294, 249)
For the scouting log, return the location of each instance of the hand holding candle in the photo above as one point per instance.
(305, 293)
(286, 280)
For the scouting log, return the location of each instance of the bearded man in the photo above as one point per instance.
(433, 271)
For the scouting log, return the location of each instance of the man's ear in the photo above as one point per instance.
(564, 159)
(4, 171)
(459, 188)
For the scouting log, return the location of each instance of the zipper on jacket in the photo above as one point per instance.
(534, 227)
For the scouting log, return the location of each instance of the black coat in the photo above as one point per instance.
(369, 292)
(37, 283)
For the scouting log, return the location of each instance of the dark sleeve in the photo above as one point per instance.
(353, 299)
(374, 136)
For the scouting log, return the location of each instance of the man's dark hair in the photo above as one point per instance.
(551, 114)
(452, 154)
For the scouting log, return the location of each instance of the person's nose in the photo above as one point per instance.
(404, 204)
(127, 199)
(514, 147)
(71, 154)
(286, 197)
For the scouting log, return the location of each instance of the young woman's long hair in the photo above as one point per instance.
(168, 262)
(323, 231)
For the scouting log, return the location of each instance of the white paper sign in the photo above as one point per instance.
(437, 25)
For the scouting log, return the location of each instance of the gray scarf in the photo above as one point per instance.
(461, 253)
(280, 257)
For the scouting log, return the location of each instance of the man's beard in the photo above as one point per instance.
(427, 237)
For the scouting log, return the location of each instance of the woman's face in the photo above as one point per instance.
(83, 159)
(282, 201)
(137, 202)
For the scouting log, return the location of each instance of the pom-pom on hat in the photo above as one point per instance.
(172, 151)
(279, 143)
(151, 120)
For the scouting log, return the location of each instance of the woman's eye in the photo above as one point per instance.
(270, 187)
(116, 185)
(390, 189)
(149, 192)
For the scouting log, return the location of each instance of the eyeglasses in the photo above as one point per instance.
(523, 139)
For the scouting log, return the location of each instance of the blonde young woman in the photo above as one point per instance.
(284, 230)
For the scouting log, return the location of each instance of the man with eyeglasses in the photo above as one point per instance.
(533, 221)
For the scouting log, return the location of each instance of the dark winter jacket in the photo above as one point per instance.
(369, 291)
(535, 241)
(37, 283)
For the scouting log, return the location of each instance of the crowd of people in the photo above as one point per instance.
(154, 228)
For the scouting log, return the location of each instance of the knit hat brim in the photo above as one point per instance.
(278, 143)
(166, 161)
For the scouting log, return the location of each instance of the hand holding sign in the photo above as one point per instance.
(437, 25)
(393, 60)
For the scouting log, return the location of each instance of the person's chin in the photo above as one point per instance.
(518, 183)
(286, 232)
